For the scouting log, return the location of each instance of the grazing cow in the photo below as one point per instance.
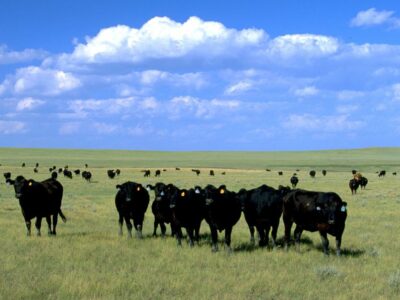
(212, 173)
(268, 170)
(146, 173)
(178, 169)
(157, 173)
(394, 173)
(86, 175)
(382, 173)
(60, 170)
(188, 210)
(353, 185)
(324, 172)
(223, 173)
(161, 206)
(7, 176)
(67, 173)
(223, 210)
(294, 181)
(262, 208)
(37, 165)
(196, 171)
(280, 173)
(86, 166)
(297, 170)
(314, 211)
(77, 172)
(35, 170)
(354, 172)
(40, 200)
(23, 165)
(50, 170)
(131, 202)
(363, 182)
(117, 172)
(312, 173)
(111, 174)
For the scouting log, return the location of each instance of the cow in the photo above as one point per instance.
(394, 173)
(268, 170)
(146, 173)
(60, 170)
(353, 185)
(77, 172)
(223, 210)
(86, 166)
(363, 182)
(7, 175)
(354, 172)
(197, 171)
(37, 165)
(131, 201)
(314, 211)
(280, 173)
(223, 173)
(294, 180)
(39, 200)
(382, 173)
(111, 174)
(188, 211)
(23, 165)
(262, 208)
(324, 172)
(117, 172)
(67, 173)
(161, 206)
(312, 173)
(54, 175)
(212, 173)
(178, 169)
(86, 175)
(157, 173)
(35, 170)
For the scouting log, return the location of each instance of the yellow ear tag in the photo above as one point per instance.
(222, 191)
(183, 194)
(30, 183)
(138, 188)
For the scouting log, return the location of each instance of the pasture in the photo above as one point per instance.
(88, 260)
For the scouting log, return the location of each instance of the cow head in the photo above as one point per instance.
(178, 196)
(21, 185)
(334, 210)
(242, 196)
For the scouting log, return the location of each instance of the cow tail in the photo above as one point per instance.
(62, 216)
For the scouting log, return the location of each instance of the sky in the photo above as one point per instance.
(200, 75)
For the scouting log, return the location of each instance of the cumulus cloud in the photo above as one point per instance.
(373, 17)
(12, 127)
(8, 56)
(28, 104)
(306, 91)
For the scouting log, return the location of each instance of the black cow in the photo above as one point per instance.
(54, 175)
(363, 182)
(35, 170)
(131, 202)
(178, 169)
(353, 185)
(111, 174)
(394, 173)
(262, 208)
(280, 173)
(86, 166)
(212, 173)
(37, 165)
(223, 210)
(314, 211)
(67, 173)
(60, 170)
(87, 175)
(23, 165)
(146, 173)
(188, 210)
(268, 170)
(77, 172)
(7, 175)
(117, 172)
(294, 180)
(157, 173)
(354, 172)
(161, 206)
(40, 200)
(312, 173)
(382, 173)
(197, 171)
(324, 172)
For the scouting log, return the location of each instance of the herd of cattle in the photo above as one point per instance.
(221, 208)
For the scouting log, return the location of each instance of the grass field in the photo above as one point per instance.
(88, 260)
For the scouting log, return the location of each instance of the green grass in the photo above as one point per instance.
(87, 260)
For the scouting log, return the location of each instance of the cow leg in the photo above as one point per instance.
(179, 235)
(138, 227)
(267, 229)
(48, 220)
(120, 223)
(325, 242)
(163, 229)
(55, 221)
(38, 224)
(228, 232)
(189, 232)
(155, 228)
(338, 244)
(28, 227)
(214, 239)
(173, 230)
(261, 234)
(128, 226)
(197, 233)
(274, 233)
(288, 227)
(251, 229)
(297, 235)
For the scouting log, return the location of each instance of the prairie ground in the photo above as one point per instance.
(88, 260)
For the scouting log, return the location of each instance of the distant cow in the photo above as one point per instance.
(60, 170)
(39, 200)
(7, 176)
(37, 165)
(312, 173)
(314, 211)
(188, 210)
(178, 169)
(111, 174)
(23, 165)
(54, 175)
(146, 173)
(394, 173)
(86, 175)
(294, 181)
(324, 172)
(161, 206)
(353, 172)
(86, 166)
(382, 173)
(77, 172)
(35, 170)
(353, 185)
(212, 173)
(223, 173)
(223, 210)
(196, 171)
(131, 202)
(67, 173)
(117, 172)
(268, 170)
(363, 182)
(157, 173)
(280, 173)
(262, 208)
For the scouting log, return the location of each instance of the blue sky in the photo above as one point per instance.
(200, 75)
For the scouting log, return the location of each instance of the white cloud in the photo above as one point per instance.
(241, 86)
(12, 127)
(371, 17)
(332, 123)
(10, 57)
(349, 95)
(28, 104)
(105, 128)
(346, 109)
(69, 128)
(306, 91)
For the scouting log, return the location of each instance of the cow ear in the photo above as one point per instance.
(118, 186)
